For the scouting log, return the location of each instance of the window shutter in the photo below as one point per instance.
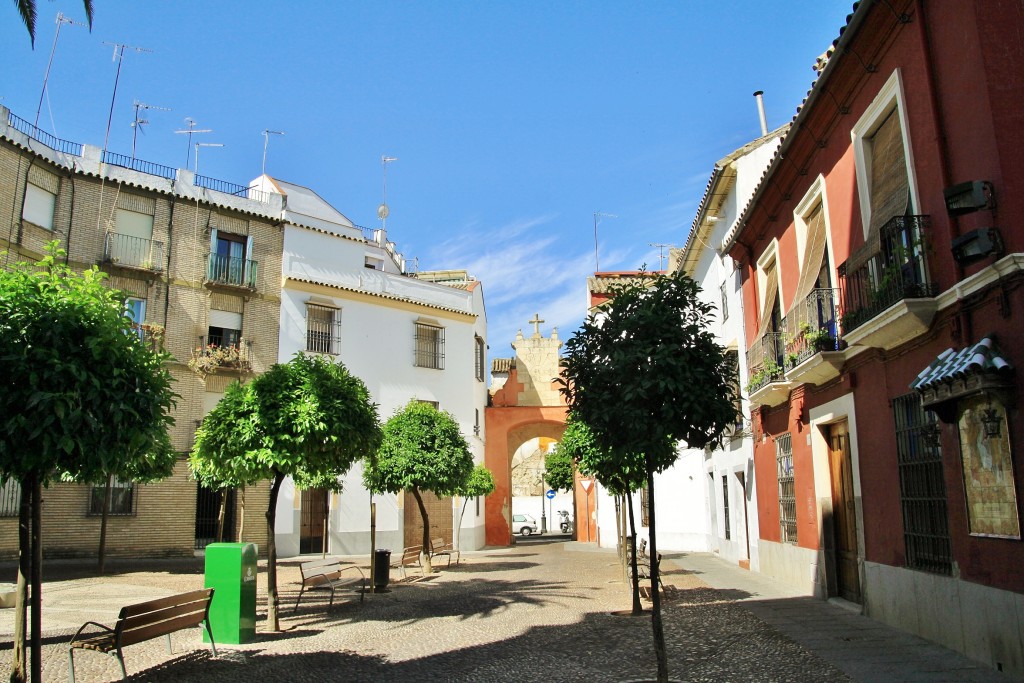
(770, 294)
(890, 187)
(814, 255)
(248, 262)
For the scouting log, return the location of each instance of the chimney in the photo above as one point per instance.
(760, 112)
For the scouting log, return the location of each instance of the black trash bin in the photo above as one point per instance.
(381, 569)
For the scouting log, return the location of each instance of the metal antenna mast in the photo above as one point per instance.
(118, 57)
(61, 20)
(204, 144)
(597, 219)
(191, 130)
(138, 123)
(382, 210)
(266, 139)
(661, 252)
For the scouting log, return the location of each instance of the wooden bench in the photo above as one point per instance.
(329, 574)
(438, 548)
(144, 621)
(410, 556)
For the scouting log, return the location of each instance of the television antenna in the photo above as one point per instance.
(138, 123)
(382, 210)
(61, 20)
(597, 219)
(203, 144)
(266, 139)
(118, 57)
(661, 252)
(192, 130)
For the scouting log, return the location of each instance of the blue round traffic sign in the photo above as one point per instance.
(550, 494)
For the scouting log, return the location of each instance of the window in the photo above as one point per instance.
(373, 262)
(135, 310)
(922, 486)
(131, 242)
(122, 498)
(724, 292)
(323, 329)
(10, 497)
(733, 357)
(725, 506)
(479, 356)
(40, 205)
(230, 259)
(429, 346)
(787, 488)
(882, 158)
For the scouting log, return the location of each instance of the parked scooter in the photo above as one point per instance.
(565, 524)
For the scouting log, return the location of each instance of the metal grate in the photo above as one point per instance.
(208, 516)
(787, 488)
(478, 359)
(922, 486)
(10, 497)
(725, 506)
(429, 347)
(323, 329)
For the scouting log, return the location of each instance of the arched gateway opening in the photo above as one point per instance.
(525, 404)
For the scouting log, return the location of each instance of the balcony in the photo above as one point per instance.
(888, 291)
(813, 343)
(214, 352)
(231, 271)
(136, 253)
(766, 381)
(151, 335)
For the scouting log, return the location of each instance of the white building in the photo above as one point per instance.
(707, 501)
(346, 292)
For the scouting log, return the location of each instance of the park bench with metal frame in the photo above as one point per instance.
(410, 556)
(329, 574)
(438, 548)
(145, 621)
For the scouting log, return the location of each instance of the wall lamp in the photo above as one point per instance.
(969, 197)
(977, 244)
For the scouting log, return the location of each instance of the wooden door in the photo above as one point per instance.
(314, 521)
(843, 512)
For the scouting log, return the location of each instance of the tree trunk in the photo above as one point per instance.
(102, 553)
(272, 597)
(656, 625)
(458, 528)
(635, 582)
(221, 510)
(425, 548)
(18, 669)
(37, 580)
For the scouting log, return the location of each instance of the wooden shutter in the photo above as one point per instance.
(770, 294)
(890, 187)
(814, 255)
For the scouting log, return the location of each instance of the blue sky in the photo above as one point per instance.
(512, 122)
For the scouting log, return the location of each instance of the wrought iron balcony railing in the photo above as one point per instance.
(150, 334)
(812, 326)
(889, 268)
(766, 360)
(134, 252)
(233, 271)
(214, 351)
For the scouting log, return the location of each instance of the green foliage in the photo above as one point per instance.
(559, 469)
(621, 472)
(422, 449)
(768, 372)
(480, 483)
(81, 396)
(27, 10)
(647, 372)
(309, 419)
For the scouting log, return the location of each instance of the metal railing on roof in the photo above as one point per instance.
(234, 189)
(139, 165)
(36, 133)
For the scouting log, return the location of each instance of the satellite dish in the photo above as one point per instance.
(382, 211)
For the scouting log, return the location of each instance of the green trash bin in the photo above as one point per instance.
(231, 573)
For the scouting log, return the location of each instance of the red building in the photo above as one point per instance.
(882, 259)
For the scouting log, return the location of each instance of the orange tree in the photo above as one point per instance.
(81, 399)
(422, 450)
(309, 419)
(644, 374)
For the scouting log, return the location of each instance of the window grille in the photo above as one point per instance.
(122, 498)
(787, 488)
(644, 506)
(10, 497)
(429, 347)
(479, 358)
(323, 329)
(725, 506)
(922, 486)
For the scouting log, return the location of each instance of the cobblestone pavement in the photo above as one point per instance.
(542, 611)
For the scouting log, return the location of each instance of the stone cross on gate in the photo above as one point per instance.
(536, 324)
